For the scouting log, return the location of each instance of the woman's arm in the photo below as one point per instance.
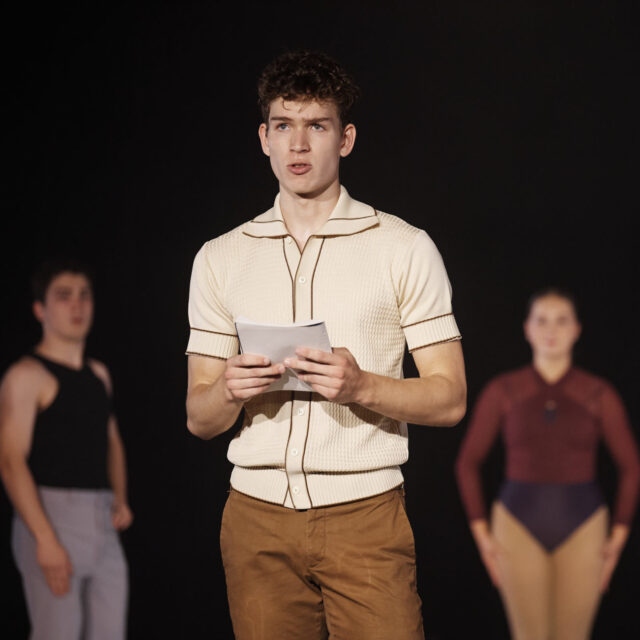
(618, 437)
(480, 437)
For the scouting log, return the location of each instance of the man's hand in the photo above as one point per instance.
(121, 515)
(55, 564)
(336, 376)
(248, 375)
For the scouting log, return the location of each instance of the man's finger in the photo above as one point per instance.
(58, 581)
(253, 372)
(247, 394)
(327, 392)
(250, 360)
(317, 355)
(250, 383)
(323, 381)
(310, 366)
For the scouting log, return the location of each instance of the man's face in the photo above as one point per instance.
(305, 141)
(552, 327)
(67, 310)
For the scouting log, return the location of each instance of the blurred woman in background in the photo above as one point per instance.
(548, 547)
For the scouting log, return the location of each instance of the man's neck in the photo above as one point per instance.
(552, 369)
(303, 216)
(67, 352)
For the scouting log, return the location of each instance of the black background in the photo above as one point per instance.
(506, 129)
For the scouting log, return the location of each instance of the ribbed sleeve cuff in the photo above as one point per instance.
(431, 331)
(212, 344)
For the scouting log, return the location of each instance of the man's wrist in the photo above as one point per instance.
(45, 536)
(120, 499)
(366, 393)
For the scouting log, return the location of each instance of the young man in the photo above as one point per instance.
(315, 539)
(63, 465)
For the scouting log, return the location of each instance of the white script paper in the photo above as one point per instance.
(279, 341)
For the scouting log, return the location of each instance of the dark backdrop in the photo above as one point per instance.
(507, 130)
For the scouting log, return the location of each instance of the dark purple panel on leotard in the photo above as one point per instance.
(551, 512)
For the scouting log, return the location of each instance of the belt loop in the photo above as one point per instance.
(403, 490)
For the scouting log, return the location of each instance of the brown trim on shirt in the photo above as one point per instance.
(313, 275)
(375, 214)
(358, 218)
(293, 286)
(344, 235)
(283, 235)
(295, 278)
(218, 333)
(430, 344)
(206, 355)
(304, 450)
(413, 324)
(286, 451)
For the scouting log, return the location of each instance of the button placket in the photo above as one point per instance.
(295, 451)
(302, 282)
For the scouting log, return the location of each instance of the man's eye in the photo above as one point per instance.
(317, 127)
(282, 126)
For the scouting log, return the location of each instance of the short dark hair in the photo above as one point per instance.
(307, 75)
(48, 270)
(559, 292)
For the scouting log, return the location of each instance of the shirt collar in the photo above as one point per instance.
(348, 217)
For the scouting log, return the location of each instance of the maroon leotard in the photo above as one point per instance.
(551, 433)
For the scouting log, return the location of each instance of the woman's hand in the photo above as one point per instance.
(611, 553)
(488, 548)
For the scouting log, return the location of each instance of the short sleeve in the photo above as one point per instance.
(424, 296)
(212, 332)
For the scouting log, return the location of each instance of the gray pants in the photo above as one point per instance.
(95, 607)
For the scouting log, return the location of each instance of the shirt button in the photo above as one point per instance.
(296, 490)
(300, 412)
(289, 240)
(294, 452)
(302, 279)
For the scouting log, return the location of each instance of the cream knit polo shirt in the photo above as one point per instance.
(376, 281)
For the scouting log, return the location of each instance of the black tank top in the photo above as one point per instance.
(69, 446)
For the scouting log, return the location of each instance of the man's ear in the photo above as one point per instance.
(348, 140)
(264, 140)
(38, 310)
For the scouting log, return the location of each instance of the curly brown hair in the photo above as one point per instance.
(307, 75)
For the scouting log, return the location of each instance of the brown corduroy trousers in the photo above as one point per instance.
(345, 572)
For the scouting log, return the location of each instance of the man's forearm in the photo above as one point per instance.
(433, 400)
(23, 493)
(117, 466)
(211, 409)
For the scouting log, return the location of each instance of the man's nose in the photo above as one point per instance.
(299, 141)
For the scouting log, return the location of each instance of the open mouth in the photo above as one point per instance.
(299, 168)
